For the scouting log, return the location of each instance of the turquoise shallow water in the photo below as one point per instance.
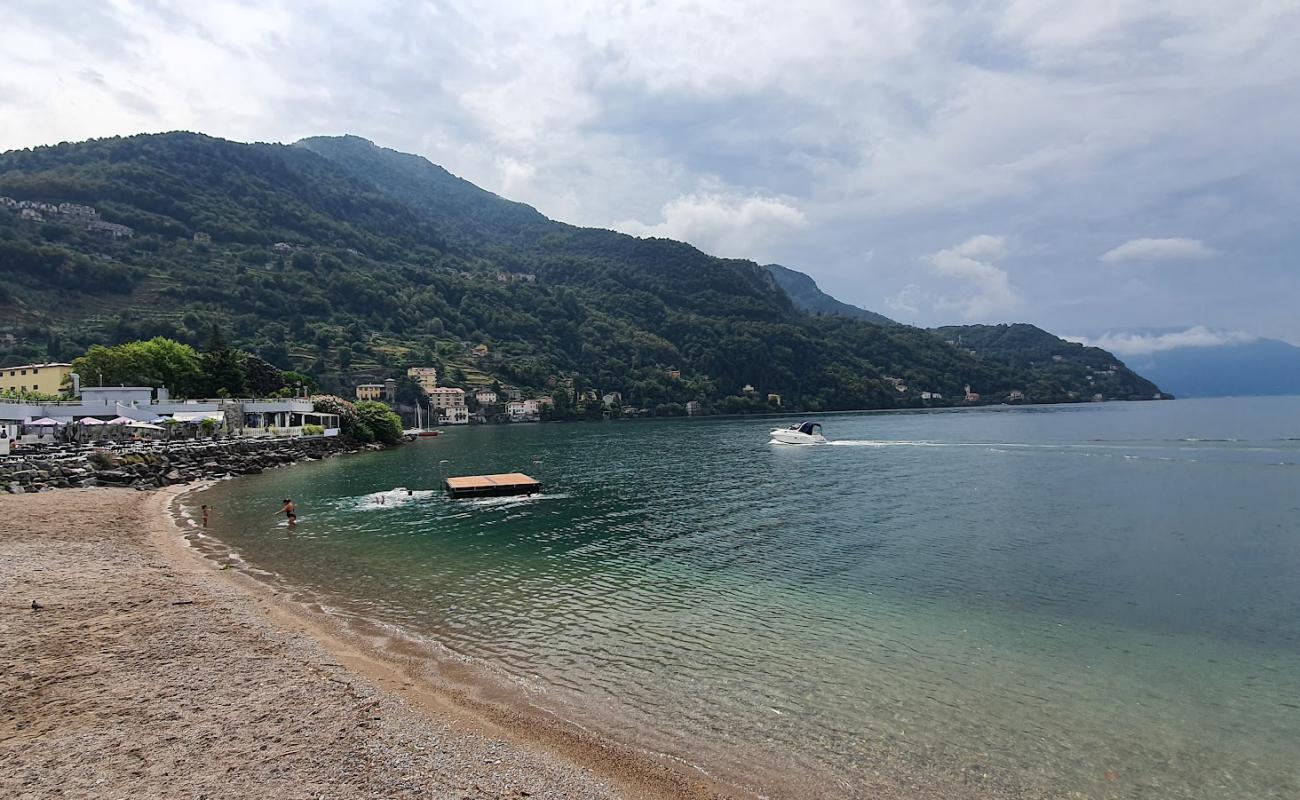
(1097, 601)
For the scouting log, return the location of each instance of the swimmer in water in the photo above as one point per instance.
(290, 513)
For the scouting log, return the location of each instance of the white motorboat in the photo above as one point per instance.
(803, 433)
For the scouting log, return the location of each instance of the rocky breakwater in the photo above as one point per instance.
(164, 465)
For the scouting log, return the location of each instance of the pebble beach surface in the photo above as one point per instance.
(132, 667)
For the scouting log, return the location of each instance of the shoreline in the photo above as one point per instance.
(439, 680)
(353, 712)
(416, 676)
(146, 672)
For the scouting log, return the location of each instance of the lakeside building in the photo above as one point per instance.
(612, 398)
(236, 416)
(485, 397)
(693, 408)
(523, 410)
(774, 399)
(426, 377)
(449, 402)
(971, 397)
(1016, 394)
(44, 378)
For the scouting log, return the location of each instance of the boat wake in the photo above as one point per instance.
(391, 498)
(509, 500)
(891, 443)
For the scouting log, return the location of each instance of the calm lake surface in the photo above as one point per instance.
(1092, 601)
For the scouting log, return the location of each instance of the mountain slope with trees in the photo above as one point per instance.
(348, 262)
(807, 295)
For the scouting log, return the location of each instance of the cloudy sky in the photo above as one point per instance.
(1092, 167)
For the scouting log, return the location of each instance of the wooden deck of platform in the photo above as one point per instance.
(502, 485)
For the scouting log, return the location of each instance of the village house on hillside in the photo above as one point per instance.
(426, 377)
(523, 410)
(449, 403)
(81, 216)
(385, 392)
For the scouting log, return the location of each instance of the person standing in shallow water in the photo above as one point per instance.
(206, 510)
(289, 513)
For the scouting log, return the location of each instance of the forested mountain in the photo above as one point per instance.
(808, 296)
(1055, 364)
(349, 262)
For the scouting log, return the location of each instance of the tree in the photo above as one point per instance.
(223, 367)
(408, 391)
(223, 372)
(261, 377)
(379, 419)
(295, 379)
(157, 362)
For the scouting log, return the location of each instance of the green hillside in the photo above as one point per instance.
(807, 295)
(349, 262)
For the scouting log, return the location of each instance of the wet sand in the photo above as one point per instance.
(148, 672)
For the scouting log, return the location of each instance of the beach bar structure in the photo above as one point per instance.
(504, 485)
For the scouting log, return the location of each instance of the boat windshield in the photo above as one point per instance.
(809, 428)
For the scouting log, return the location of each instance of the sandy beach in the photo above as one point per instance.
(146, 671)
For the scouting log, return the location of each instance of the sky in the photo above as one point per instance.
(1101, 169)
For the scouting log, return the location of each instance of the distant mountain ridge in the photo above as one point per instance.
(807, 295)
(350, 261)
(1238, 369)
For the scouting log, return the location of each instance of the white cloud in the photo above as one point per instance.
(907, 303)
(1158, 250)
(972, 262)
(734, 227)
(1142, 344)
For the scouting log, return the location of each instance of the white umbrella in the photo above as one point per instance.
(43, 422)
(121, 421)
(91, 421)
(146, 426)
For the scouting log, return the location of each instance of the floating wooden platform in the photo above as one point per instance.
(502, 485)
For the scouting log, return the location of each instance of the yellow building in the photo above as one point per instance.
(43, 378)
(370, 391)
(427, 377)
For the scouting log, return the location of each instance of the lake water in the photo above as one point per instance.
(1091, 601)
